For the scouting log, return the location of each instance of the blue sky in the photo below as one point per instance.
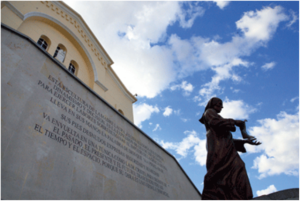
(177, 55)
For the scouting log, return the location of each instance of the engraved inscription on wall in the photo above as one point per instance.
(85, 130)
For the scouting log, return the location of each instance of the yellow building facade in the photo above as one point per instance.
(62, 32)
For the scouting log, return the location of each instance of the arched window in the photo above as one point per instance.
(73, 67)
(60, 53)
(44, 42)
(41, 42)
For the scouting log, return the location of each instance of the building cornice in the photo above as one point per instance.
(78, 22)
(121, 85)
(13, 9)
(84, 28)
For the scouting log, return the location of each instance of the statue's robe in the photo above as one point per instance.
(226, 176)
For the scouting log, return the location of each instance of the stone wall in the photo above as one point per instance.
(288, 194)
(60, 140)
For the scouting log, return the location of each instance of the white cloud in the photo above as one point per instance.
(199, 113)
(182, 48)
(191, 143)
(222, 73)
(235, 90)
(293, 20)
(168, 111)
(130, 37)
(132, 33)
(184, 120)
(280, 145)
(192, 13)
(236, 109)
(293, 99)
(177, 112)
(175, 87)
(197, 99)
(222, 4)
(261, 25)
(257, 28)
(185, 86)
(200, 152)
(143, 112)
(157, 127)
(268, 66)
(270, 189)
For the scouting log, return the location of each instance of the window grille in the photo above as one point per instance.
(72, 69)
(41, 42)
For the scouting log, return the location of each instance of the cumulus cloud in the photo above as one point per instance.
(168, 111)
(185, 86)
(280, 145)
(134, 37)
(186, 56)
(257, 28)
(236, 109)
(191, 13)
(200, 152)
(262, 24)
(270, 189)
(222, 73)
(191, 143)
(268, 66)
(130, 37)
(157, 127)
(222, 4)
(143, 112)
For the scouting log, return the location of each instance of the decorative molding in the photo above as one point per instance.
(2, 4)
(13, 9)
(101, 85)
(43, 15)
(121, 86)
(85, 34)
(66, 13)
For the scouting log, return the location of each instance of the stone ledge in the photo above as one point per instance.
(288, 194)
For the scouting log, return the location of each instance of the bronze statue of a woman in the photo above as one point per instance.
(226, 177)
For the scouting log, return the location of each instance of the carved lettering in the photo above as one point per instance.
(84, 129)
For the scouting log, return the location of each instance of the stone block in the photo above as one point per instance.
(60, 140)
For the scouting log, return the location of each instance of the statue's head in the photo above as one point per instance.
(218, 106)
(215, 103)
